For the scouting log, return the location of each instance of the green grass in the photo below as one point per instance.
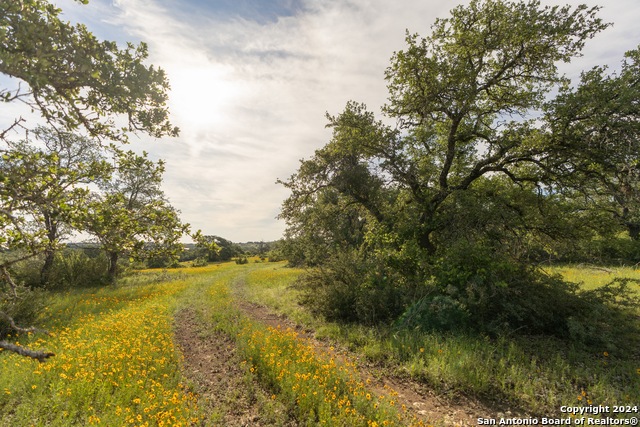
(306, 380)
(534, 374)
(115, 362)
(592, 277)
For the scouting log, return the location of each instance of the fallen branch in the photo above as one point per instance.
(40, 356)
(17, 328)
(595, 267)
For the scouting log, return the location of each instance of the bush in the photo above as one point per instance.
(71, 268)
(438, 312)
(353, 290)
(242, 260)
(477, 289)
(75, 269)
(472, 288)
(23, 309)
(502, 294)
(608, 317)
(200, 262)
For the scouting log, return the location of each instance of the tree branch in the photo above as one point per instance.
(17, 328)
(40, 356)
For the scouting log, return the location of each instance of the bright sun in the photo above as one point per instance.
(202, 95)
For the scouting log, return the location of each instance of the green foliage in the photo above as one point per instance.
(24, 307)
(438, 222)
(353, 290)
(596, 129)
(535, 373)
(440, 313)
(200, 262)
(74, 80)
(160, 260)
(241, 260)
(132, 216)
(608, 317)
(71, 268)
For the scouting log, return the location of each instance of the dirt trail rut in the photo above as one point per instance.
(420, 401)
(210, 361)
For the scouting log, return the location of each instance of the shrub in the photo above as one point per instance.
(475, 288)
(23, 308)
(242, 260)
(500, 293)
(353, 290)
(199, 262)
(438, 312)
(75, 269)
(71, 268)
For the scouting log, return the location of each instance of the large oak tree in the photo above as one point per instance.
(466, 184)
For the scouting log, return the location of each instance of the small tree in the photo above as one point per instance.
(68, 164)
(132, 216)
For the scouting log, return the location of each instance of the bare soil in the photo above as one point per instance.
(211, 363)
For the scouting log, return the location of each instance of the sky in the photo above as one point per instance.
(252, 80)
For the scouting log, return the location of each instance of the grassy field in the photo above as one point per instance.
(535, 374)
(307, 380)
(592, 277)
(117, 363)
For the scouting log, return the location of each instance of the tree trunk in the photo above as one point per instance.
(45, 272)
(113, 267)
(49, 255)
(634, 231)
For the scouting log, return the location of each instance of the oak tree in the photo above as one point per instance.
(131, 215)
(76, 83)
(453, 194)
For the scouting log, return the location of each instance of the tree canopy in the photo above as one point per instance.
(89, 92)
(478, 177)
(132, 216)
(77, 81)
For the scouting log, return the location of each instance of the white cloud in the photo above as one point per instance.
(250, 97)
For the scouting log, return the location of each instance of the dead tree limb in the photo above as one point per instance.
(18, 329)
(40, 356)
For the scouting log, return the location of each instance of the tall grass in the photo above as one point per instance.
(535, 374)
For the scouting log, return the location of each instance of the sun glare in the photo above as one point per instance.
(202, 95)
